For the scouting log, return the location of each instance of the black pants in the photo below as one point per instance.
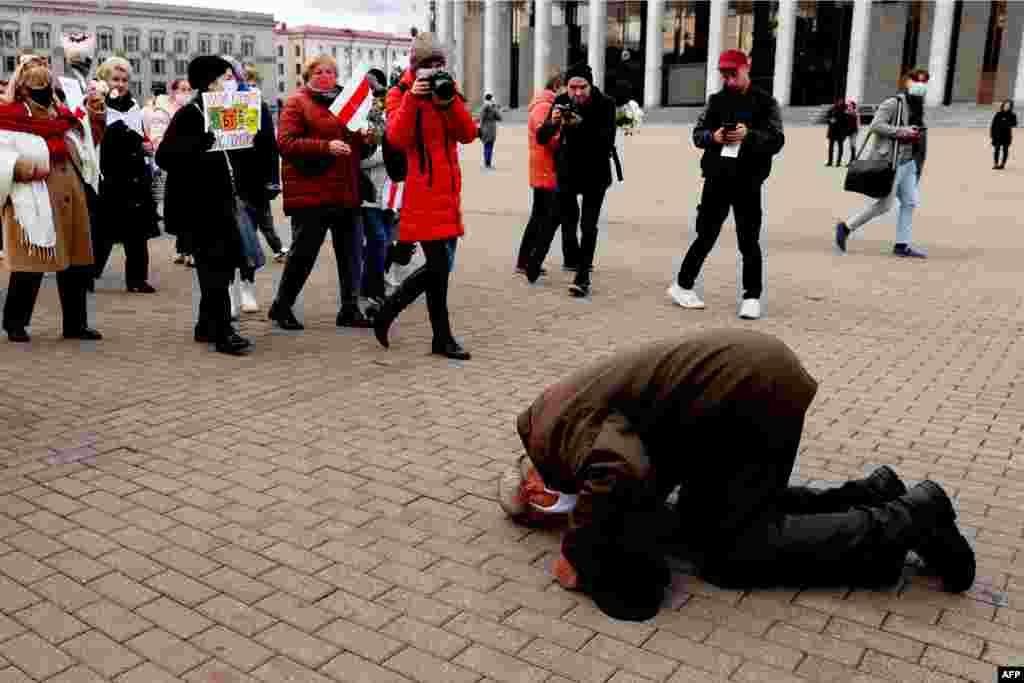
(719, 194)
(545, 218)
(309, 229)
(436, 285)
(1005, 149)
(586, 216)
(136, 258)
(214, 301)
(768, 533)
(23, 289)
(833, 145)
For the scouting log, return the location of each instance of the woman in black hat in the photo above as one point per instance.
(198, 177)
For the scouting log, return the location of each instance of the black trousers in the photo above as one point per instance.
(23, 290)
(214, 301)
(545, 217)
(586, 214)
(136, 257)
(744, 197)
(309, 230)
(997, 149)
(833, 145)
(767, 533)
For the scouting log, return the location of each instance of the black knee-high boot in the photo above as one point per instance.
(407, 292)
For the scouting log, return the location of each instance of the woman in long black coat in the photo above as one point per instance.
(126, 188)
(199, 207)
(1001, 132)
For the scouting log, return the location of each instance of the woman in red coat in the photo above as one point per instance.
(320, 160)
(426, 117)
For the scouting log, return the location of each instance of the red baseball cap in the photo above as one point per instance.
(733, 59)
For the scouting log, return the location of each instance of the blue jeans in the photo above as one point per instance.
(377, 228)
(488, 153)
(905, 188)
(451, 244)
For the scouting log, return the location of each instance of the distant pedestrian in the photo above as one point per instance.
(489, 117)
(837, 131)
(852, 127)
(1001, 132)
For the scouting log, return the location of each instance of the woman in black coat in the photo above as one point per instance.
(838, 131)
(199, 206)
(1001, 132)
(126, 188)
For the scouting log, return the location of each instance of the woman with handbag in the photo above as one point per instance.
(895, 148)
(320, 169)
(198, 178)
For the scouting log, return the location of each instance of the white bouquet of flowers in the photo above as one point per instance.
(630, 117)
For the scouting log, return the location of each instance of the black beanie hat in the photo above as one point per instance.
(580, 70)
(204, 70)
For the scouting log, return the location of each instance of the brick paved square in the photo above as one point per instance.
(330, 516)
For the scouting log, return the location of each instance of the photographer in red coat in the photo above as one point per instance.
(426, 118)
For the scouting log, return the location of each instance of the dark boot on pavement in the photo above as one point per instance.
(407, 292)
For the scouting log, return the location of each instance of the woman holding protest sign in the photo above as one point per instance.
(126, 190)
(199, 206)
(321, 192)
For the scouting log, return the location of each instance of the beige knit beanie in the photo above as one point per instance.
(426, 46)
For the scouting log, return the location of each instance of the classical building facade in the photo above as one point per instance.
(293, 45)
(804, 52)
(159, 40)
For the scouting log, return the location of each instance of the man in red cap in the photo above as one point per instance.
(740, 131)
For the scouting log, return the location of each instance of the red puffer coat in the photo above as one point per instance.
(432, 199)
(313, 178)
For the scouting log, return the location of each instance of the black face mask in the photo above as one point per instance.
(41, 96)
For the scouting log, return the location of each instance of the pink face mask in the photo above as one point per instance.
(323, 82)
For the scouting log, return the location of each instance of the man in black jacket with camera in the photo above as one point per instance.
(586, 118)
(740, 132)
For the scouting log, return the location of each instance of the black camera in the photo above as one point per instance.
(569, 112)
(441, 84)
(729, 125)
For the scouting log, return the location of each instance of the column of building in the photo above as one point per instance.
(716, 30)
(654, 54)
(938, 60)
(785, 42)
(541, 42)
(458, 41)
(491, 27)
(597, 39)
(860, 34)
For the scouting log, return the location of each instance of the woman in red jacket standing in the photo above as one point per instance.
(426, 117)
(320, 158)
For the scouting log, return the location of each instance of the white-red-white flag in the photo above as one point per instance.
(353, 105)
(392, 198)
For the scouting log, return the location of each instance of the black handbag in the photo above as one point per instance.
(874, 177)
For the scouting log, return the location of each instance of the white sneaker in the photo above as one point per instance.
(233, 294)
(687, 298)
(751, 309)
(248, 297)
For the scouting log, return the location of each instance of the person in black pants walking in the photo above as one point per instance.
(1001, 132)
(739, 131)
(585, 119)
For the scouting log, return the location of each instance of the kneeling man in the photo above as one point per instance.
(719, 413)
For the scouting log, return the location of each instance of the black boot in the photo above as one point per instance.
(879, 487)
(450, 349)
(404, 294)
(284, 317)
(943, 548)
(351, 316)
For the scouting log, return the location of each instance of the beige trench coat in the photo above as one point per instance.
(71, 222)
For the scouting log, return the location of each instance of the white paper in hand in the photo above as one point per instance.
(731, 151)
(72, 92)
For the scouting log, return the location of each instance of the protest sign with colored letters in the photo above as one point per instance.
(233, 118)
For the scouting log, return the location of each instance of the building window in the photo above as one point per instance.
(205, 44)
(181, 44)
(181, 66)
(280, 51)
(9, 36)
(334, 51)
(9, 64)
(280, 87)
(156, 42)
(131, 41)
(136, 65)
(40, 37)
(280, 69)
(298, 69)
(298, 51)
(159, 67)
(136, 88)
(248, 47)
(227, 45)
(105, 39)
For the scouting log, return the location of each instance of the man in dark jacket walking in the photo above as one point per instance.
(719, 413)
(586, 118)
(740, 131)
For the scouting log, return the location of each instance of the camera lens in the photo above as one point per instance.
(444, 88)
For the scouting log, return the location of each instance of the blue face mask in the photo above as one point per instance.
(918, 89)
